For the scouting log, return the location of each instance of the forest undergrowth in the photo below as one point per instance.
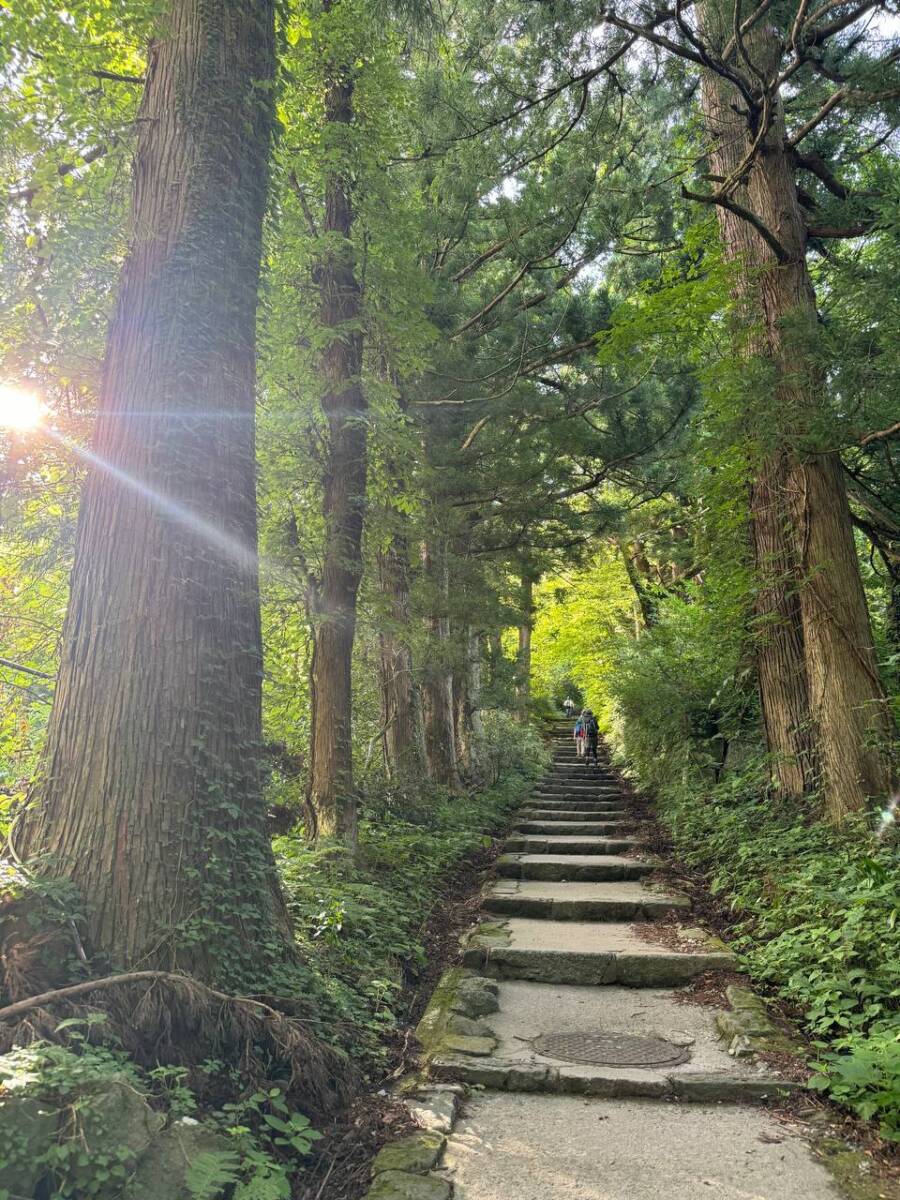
(362, 923)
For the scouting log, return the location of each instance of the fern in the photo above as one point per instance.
(268, 1182)
(211, 1172)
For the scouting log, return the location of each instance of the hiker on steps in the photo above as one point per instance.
(579, 736)
(591, 737)
(569, 706)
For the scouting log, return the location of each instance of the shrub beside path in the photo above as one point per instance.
(562, 1062)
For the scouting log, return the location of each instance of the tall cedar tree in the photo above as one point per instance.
(150, 796)
(817, 664)
(334, 596)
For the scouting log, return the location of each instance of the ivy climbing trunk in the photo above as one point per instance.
(331, 793)
(149, 799)
(817, 673)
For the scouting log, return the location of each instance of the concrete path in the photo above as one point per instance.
(564, 950)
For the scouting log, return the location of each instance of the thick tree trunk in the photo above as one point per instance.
(846, 695)
(344, 404)
(437, 674)
(781, 669)
(401, 703)
(800, 489)
(150, 795)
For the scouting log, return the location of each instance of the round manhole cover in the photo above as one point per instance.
(611, 1049)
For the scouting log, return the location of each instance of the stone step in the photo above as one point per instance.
(595, 828)
(583, 952)
(577, 789)
(569, 793)
(575, 867)
(574, 802)
(620, 901)
(579, 779)
(528, 843)
(527, 1011)
(578, 785)
(572, 814)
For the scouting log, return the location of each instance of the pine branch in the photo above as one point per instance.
(14, 666)
(745, 213)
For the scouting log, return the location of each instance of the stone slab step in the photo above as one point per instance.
(578, 770)
(597, 828)
(587, 793)
(589, 786)
(529, 1010)
(562, 1147)
(573, 867)
(619, 901)
(574, 814)
(535, 843)
(574, 802)
(582, 952)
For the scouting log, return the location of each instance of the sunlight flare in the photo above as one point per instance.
(20, 409)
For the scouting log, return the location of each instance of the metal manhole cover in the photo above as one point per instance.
(611, 1049)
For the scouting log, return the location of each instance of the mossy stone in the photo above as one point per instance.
(476, 997)
(480, 1047)
(467, 1027)
(416, 1154)
(398, 1185)
(162, 1171)
(29, 1127)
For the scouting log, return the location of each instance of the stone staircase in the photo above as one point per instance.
(562, 1059)
(568, 943)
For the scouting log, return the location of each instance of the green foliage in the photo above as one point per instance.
(816, 918)
(360, 922)
(270, 1139)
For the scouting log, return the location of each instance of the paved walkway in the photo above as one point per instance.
(673, 1116)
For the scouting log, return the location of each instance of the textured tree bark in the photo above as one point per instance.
(401, 703)
(646, 612)
(814, 570)
(437, 674)
(150, 794)
(344, 404)
(523, 660)
(780, 659)
(846, 695)
(466, 700)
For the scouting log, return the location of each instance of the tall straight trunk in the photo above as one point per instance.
(344, 405)
(780, 650)
(401, 703)
(847, 699)
(523, 660)
(801, 519)
(437, 674)
(466, 700)
(778, 636)
(149, 800)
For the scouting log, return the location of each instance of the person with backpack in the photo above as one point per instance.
(591, 737)
(579, 736)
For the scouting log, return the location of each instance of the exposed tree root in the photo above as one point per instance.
(163, 1015)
